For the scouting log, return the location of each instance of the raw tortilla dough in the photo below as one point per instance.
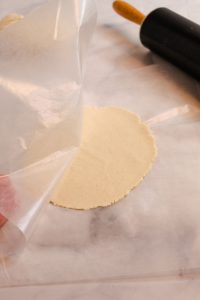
(116, 152)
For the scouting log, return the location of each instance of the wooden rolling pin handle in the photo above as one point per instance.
(129, 12)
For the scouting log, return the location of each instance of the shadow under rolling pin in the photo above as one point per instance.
(168, 34)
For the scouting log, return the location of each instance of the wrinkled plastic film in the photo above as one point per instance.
(40, 88)
(154, 232)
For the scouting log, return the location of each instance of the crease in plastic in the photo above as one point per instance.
(41, 63)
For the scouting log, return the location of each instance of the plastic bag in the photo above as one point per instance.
(41, 65)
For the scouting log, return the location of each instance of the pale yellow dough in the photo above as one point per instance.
(116, 152)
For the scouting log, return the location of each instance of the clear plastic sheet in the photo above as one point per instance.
(155, 232)
(41, 62)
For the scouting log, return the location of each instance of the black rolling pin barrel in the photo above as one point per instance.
(170, 35)
(173, 37)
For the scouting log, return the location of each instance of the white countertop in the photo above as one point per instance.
(148, 245)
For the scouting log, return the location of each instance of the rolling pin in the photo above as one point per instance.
(168, 34)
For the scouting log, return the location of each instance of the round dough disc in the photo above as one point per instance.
(116, 152)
